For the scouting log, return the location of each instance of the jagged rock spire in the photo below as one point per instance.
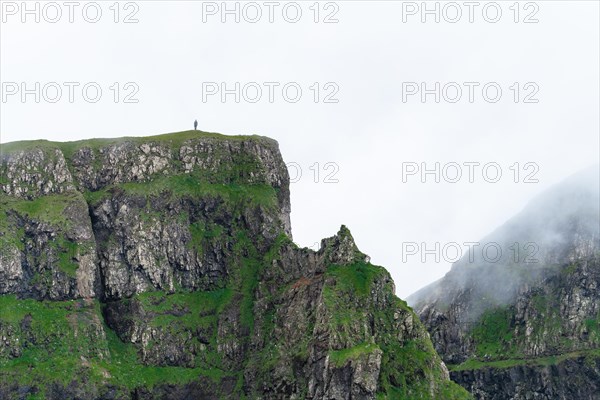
(341, 248)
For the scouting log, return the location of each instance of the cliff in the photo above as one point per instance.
(163, 268)
(517, 327)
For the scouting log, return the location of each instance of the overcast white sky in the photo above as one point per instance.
(369, 133)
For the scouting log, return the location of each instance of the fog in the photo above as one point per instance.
(557, 228)
(368, 121)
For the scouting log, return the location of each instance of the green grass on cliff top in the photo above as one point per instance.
(175, 138)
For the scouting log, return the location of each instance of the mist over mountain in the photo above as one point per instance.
(558, 226)
(502, 325)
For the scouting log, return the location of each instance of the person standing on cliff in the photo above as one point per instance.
(195, 124)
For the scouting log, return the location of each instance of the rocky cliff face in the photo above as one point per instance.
(163, 268)
(575, 376)
(514, 328)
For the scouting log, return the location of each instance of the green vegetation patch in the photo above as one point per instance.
(355, 278)
(49, 209)
(185, 309)
(51, 337)
(493, 335)
(474, 364)
(499, 336)
(189, 185)
(592, 326)
(340, 357)
(70, 337)
(53, 210)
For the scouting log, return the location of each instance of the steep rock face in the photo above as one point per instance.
(312, 329)
(538, 305)
(163, 268)
(329, 326)
(574, 378)
(168, 241)
(48, 248)
(148, 236)
(40, 171)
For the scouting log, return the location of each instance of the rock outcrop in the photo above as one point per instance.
(163, 268)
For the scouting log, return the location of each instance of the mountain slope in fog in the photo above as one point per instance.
(508, 327)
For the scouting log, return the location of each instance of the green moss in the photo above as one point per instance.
(11, 234)
(249, 275)
(340, 357)
(450, 390)
(185, 309)
(126, 370)
(67, 251)
(63, 336)
(540, 302)
(498, 335)
(569, 270)
(493, 334)
(203, 233)
(57, 339)
(49, 209)
(189, 185)
(592, 326)
(355, 278)
(54, 211)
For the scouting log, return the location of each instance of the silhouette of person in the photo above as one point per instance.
(195, 124)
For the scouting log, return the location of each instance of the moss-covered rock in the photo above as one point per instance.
(163, 268)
